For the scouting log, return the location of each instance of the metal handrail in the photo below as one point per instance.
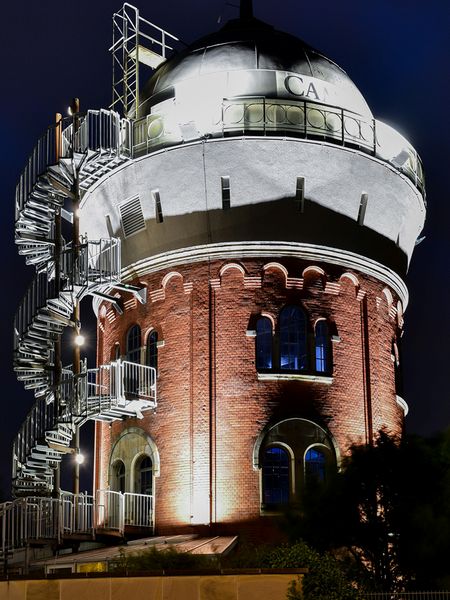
(258, 115)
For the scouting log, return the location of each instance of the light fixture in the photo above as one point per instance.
(79, 458)
(79, 340)
(69, 111)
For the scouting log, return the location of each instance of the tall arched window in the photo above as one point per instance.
(275, 475)
(315, 464)
(293, 343)
(322, 347)
(152, 350)
(119, 476)
(263, 343)
(144, 476)
(134, 344)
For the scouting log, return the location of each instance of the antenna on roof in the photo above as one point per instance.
(246, 9)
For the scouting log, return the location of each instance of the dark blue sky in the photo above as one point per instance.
(397, 53)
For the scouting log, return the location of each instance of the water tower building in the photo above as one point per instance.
(244, 225)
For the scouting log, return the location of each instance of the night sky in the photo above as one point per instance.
(397, 53)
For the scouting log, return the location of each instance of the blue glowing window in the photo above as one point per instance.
(293, 343)
(263, 343)
(322, 347)
(275, 475)
(315, 464)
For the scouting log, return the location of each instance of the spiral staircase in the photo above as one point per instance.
(71, 156)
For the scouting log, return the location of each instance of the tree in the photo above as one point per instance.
(388, 512)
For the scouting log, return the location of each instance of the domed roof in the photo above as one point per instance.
(252, 46)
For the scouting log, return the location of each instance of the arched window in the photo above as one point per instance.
(134, 344)
(119, 476)
(152, 350)
(315, 464)
(293, 343)
(144, 476)
(275, 475)
(263, 343)
(322, 347)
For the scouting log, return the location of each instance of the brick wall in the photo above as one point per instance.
(211, 405)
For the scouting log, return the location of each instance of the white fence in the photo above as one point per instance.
(116, 510)
(39, 519)
(120, 383)
(408, 596)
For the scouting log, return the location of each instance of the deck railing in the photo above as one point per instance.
(121, 381)
(37, 519)
(116, 510)
(258, 115)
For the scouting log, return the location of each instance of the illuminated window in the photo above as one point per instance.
(315, 464)
(263, 343)
(293, 342)
(275, 476)
(134, 344)
(144, 476)
(152, 350)
(322, 347)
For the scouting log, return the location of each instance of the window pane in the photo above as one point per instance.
(293, 346)
(119, 471)
(322, 361)
(315, 465)
(145, 478)
(275, 473)
(134, 344)
(152, 350)
(263, 343)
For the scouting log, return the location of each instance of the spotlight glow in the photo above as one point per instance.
(79, 458)
(79, 340)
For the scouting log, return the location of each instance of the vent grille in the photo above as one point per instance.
(131, 216)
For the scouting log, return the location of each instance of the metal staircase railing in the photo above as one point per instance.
(37, 519)
(107, 393)
(101, 142)
(66, 161)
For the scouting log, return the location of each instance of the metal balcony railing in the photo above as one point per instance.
(97, 264)
(48, 304)
(37, 519)
(121, 383)
(299, 118)
(116, 510)
(77, 513)
(107, 393)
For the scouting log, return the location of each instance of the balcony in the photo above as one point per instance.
(107, 393)
(259, 116)
(39, 520)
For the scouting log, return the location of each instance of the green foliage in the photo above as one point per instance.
(325, 580)
(158, 560)
(389, 508)
(295, 590)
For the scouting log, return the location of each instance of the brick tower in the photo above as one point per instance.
(246, 225)
(271, 220)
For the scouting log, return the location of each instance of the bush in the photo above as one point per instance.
(158, 560)
(325, 579)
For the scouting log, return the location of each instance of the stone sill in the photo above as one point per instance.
(327, 380)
